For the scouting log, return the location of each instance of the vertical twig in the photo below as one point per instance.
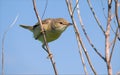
(116, 34)
(106, 17)
(3, 42)
(45, 8)
(114, 41)
(117, 15)
(83, 63)
(44, 37)
(95, 16)
(83, 28)
(103, 8)
(107, 39)
(116, 12)
(69, 5)
(80, 51)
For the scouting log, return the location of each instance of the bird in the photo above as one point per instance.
(53, 28)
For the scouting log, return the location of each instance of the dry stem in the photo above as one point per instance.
(114, 42)
(79, 40)
(45, 8)
(44, 37)
(95, 16)
(80, 51)
(116, 12)
(107, 39)
(89, 40)
(3, 40)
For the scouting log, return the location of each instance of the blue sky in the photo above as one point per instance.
(24, 54)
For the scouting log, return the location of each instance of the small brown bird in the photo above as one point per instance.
(53, 29)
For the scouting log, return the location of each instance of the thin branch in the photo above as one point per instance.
(117, 4)
(44, 37)
(114, 41)
(69, 5)
(82, 59)
(116, 12)
(3, 42)
(103, 8)
(45, 8)
(112, 27)
(116, 34)
(83, 28)
(114, 31)
(80, 51)
(77, 2)
(107, 39)
(83, 63)
(75, 27)
(40, 23)
(96, 18)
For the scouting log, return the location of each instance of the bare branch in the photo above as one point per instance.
(80, 51)
(45, 8)
(107, 39)
(114, 31)
(44, 37)
(114, 41)
(116, 12)
(83, 28)
(83, 63)
(103, 8)
(40, 23)
(3, 42)
(96, 18)
(77, 2)
(79, 40)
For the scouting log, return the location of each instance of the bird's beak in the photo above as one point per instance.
(70, 24)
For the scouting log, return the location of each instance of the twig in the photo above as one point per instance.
(114, 31)
(116, 12)
(83, 63)
(114, 41)
(106, 19)
(103, 8)
(97, 20)
(117, 18)
(75, 27)
(107, 39)
(3, 42)
(69, 5)
(83, 28)
(45, 8)
(80, 51)
(77, 2)
(44, 37)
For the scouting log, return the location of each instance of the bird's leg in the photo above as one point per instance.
(49, 54)
(43, 46)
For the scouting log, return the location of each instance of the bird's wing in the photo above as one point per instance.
(46, 27)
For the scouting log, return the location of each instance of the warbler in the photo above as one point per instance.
(53, 28)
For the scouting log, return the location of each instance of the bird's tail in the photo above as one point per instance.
(27, 27)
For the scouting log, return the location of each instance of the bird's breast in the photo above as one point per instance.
(50, 36)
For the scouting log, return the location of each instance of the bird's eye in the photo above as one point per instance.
(60, 22)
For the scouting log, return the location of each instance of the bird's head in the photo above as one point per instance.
(61, 24)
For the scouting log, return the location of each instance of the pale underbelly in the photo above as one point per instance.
(50, 36)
